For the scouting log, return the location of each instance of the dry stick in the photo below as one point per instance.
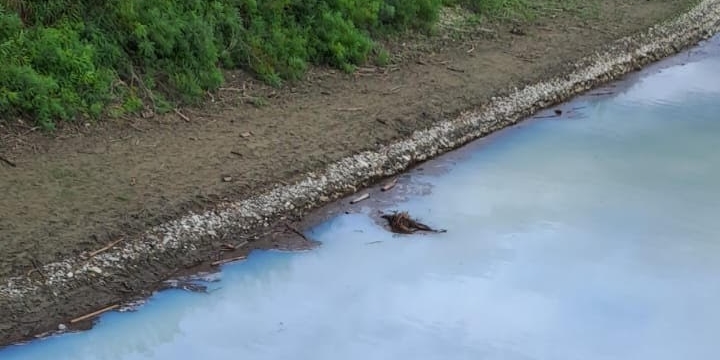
(389, 185)
(350, 109)
(181, 115)
(236, 153)
(136, 127)
(36, 268)
(7, 161)
(293, 229)
(93, 314)
(225, 261)
(231, 247)
(110, 245)
(360, 198)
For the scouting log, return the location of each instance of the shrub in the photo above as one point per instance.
(68, 58)
(49, 73)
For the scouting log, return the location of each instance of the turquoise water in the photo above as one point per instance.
(592, 236)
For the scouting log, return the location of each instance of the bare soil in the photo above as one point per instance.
(89, 184)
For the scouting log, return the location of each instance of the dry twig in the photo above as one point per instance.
(360, 198)
(94, 313)
(7, 161)
(295, 230)
(105, 248)
(181, 115)
(228, 260)
(391, 184)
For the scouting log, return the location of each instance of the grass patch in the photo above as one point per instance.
(64, 60)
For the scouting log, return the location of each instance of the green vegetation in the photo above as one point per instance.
(65, 59)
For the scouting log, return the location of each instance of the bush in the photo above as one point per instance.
(65, 59)
(49, 73)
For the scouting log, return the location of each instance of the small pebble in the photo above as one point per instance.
(62, 327)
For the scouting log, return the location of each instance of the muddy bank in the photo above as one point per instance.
(37, 299)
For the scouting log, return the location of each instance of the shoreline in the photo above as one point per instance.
(262, 220)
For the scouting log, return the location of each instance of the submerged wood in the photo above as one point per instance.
(402, 223)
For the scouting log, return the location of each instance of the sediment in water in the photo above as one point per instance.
(31, 301)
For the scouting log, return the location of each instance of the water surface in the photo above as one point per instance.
(592, 236)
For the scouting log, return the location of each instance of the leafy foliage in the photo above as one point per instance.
(64, 59)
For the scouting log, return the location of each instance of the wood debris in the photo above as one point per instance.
(401, 223)
(105, 248)
(232, 247)
(7, 161)
(94, 313)
(360, 198)
(225, 261)
(181, 115)
(390, 184)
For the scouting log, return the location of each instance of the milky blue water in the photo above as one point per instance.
(591, 236)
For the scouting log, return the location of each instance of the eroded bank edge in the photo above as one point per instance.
(186, 235)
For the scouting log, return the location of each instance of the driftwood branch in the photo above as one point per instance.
(360, 198)
(181, 115)
(298, 232)
(391, 184)
(225, 261)
(7, 161)
(94, 313)
(105, 248)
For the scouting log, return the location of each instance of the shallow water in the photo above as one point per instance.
(594, 236)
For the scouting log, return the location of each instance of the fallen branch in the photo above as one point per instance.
(293, 229)
(231, 247)
(187, 119)
(136, 127)
(350, 109)
(95, 313)
(393, 90)
(391, 184)
(105, 248)
(360, 198)
(37, 268)
(7, 161)
(401, 223)
(228, 260)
